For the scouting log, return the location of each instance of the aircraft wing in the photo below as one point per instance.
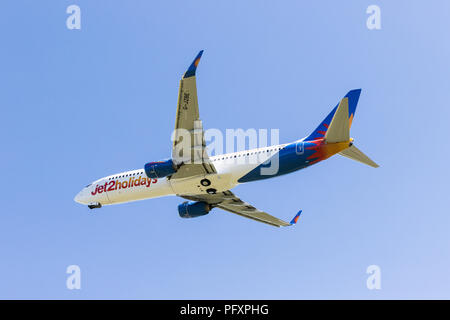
(228, 201)
(189, 148)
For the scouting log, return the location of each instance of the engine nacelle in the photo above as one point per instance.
(193, 209)
(159, 169)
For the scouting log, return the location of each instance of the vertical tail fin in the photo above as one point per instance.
(339, 128)
(321, 131)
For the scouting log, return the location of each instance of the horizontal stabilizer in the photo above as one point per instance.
(356, 154)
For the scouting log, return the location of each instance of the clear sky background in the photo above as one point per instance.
(81, 104)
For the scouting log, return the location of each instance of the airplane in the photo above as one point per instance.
(206, 181)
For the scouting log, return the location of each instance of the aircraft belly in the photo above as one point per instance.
(236, 170)
(192, 185)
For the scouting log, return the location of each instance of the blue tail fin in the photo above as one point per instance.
(321, 130)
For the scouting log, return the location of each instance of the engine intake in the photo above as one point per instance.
(193, 209)
(159, 169)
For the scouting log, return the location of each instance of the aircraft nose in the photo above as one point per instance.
(80, 197)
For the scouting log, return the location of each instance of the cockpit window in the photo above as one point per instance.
(90, 184)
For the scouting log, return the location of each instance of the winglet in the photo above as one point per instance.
(295, 218)
(193, 67)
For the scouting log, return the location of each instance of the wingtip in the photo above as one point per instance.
(295, 218)
(193, 67)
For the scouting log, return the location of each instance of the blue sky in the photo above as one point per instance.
(81, 104)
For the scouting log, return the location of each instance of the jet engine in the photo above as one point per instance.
(193, 209)
(159, 169)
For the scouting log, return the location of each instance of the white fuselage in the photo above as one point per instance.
(135, 185)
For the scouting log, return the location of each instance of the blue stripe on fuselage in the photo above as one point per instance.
(292, 157)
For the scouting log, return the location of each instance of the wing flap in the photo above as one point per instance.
(229, 202)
